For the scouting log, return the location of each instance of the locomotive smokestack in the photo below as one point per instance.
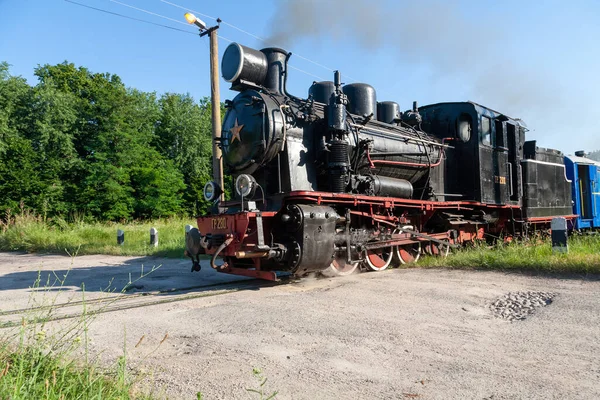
(276, 69)
(246, 68)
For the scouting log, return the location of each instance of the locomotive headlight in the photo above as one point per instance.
(212, 191)
(245, 185)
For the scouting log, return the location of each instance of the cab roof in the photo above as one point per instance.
(482, 110)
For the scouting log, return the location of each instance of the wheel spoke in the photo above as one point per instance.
(339, 267)
(378, 259)
(438, 249)
(407, 253)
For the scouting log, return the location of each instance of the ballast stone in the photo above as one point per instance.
(518, 305)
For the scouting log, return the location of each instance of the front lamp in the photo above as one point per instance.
(212, 191)
(245, 185)
(192, 19)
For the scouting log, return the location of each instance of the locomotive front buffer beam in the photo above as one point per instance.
(233, 237)
(298, 239)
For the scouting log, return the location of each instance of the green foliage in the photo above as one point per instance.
(184, 135)
(532, 255)
(260, 390)
(82, 143)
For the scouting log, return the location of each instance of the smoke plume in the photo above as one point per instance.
(457, 44)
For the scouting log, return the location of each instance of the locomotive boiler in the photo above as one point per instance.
(338, 180)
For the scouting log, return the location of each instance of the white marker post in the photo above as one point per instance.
(153, 237)
(120, 237)
(559, 235)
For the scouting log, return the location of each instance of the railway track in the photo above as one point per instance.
(123, 301)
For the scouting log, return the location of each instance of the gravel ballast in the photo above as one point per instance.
(516, 306)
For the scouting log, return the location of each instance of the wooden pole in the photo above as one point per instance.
(215, 99)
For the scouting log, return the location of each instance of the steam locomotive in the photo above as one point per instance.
(338, 181)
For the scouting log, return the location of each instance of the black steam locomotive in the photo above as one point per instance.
(338, 180)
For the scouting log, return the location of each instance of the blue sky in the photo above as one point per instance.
(538, 62)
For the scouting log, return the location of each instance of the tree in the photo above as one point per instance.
(120, 175)
(82, 142)
(19, 179)
(183, 135)
(50, 127)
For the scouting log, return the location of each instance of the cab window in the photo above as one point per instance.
(499, 126)
(486, 131)
(463, 127)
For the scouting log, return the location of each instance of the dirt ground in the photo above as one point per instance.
(398, 334)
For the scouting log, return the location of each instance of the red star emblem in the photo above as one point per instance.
(235, 131)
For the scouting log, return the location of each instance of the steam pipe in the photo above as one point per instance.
(392, 132)
(226, 243)
(287, 58)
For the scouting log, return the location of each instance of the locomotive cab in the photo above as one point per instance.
(484, 164)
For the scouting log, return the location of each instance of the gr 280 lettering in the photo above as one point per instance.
(500, 179)
(219, 223)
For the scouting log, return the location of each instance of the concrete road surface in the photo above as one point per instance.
(398, 334)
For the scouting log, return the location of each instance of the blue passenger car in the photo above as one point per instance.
(584, 174)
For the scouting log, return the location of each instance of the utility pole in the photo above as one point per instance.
(215, 99)
(215, 96)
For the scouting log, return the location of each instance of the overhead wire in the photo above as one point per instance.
(160, 16)
(188, 9)
(255, 37)
(174, 20)
(131, 18)
(307, 73)
(148, 12)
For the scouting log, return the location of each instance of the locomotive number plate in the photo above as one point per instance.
(500, 179)
(219, 223)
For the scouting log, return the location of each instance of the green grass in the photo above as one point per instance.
(30, 372)
(534, 255)
(39, 360)
(26, 232)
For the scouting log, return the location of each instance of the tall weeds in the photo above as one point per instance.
(40, 359)
(526, 255)
(25, 231)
